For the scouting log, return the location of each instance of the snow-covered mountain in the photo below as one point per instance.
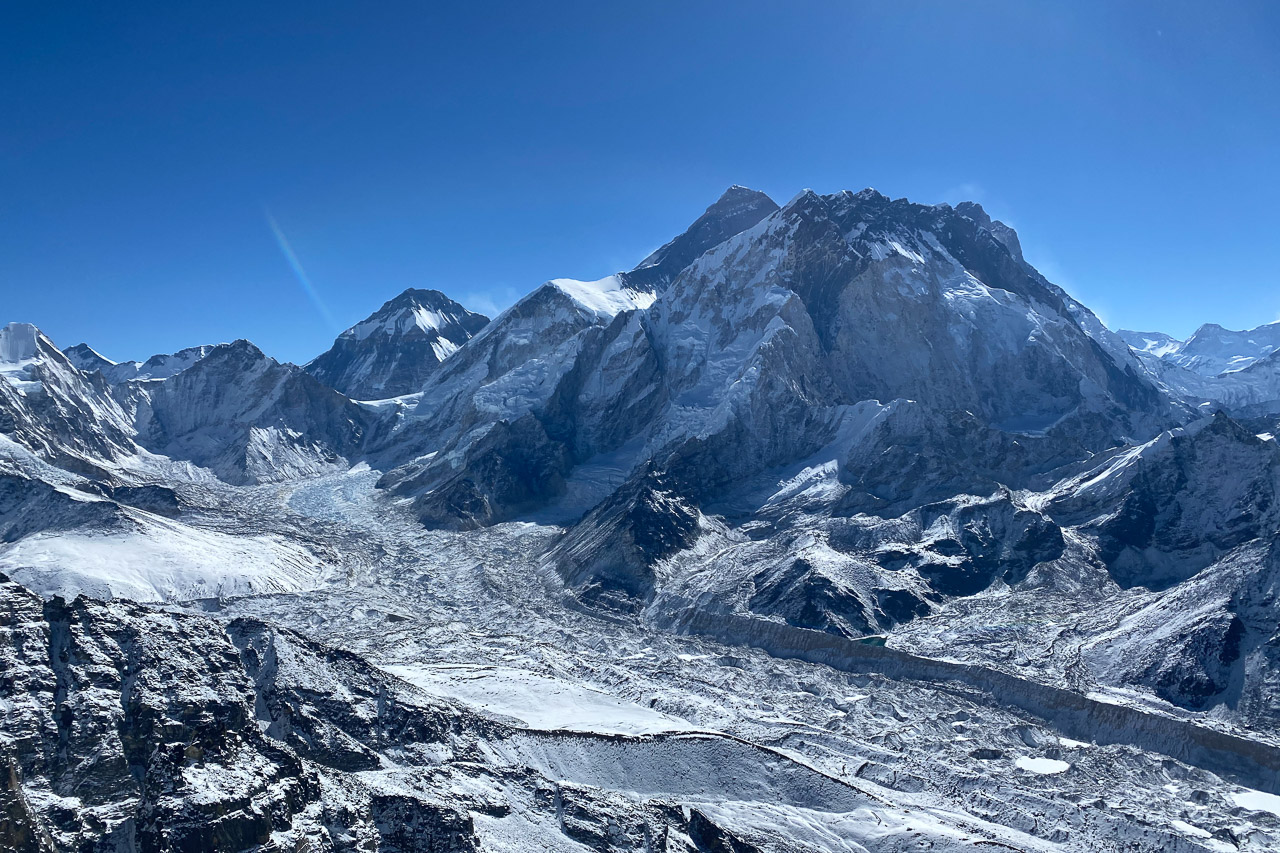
(49, 407)
(1211, 350)
(395, 349)
(830, 526)
(160, 366)
(249, 418)
(734, 212)
(1215, 368)
(229, 409)
(752, 356)
(517, 362)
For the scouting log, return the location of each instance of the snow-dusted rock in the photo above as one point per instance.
(50, 407)
(160, 366)
(1166, 510)
(249, 418)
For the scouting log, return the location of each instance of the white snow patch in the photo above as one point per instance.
(1187, 829)
(607, 297)
(1043, 766)
(539, 701)
(162, 560)
(1257, 801)
(428, 320)
(443, 348)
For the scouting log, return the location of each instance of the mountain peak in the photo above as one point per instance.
(737, 196)
(392, 351)
(974, 211)
(1210, 329)
(867, 193)
(737, 209)
(420, 296)
(19, 342)
(239, 347)
(413, 312)
(86, 358)
(805, 195)
(1003, 233)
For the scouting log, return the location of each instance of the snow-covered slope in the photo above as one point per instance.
(50, 407)
(158, 559)
(1216, 367)
(395, 349)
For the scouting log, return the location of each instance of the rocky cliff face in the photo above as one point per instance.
(1165, 511)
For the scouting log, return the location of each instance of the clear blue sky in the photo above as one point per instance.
(482, 148)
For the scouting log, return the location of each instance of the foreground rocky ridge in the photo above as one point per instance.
(133, 729)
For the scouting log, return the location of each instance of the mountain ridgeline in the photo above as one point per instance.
(892, 380)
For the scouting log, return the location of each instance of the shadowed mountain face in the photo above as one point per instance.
(395, 349)
(734, 212)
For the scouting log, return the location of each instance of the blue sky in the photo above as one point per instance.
(147, 150)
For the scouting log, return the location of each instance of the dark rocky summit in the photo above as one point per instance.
(395, 349)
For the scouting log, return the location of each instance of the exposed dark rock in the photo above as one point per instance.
(513, 466)
(807, 597)
(734, 212)
(1181, 503)
(613, 549)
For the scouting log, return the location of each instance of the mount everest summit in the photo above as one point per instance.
(396, 349)
(831, 525)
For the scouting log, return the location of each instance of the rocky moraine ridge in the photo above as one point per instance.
(832, 525)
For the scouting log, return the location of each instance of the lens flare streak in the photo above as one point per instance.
(299, 273)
